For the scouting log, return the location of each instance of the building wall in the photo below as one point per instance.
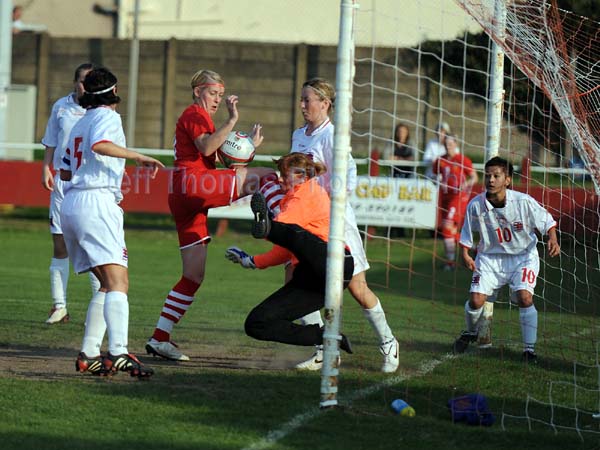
(290, 21)
(74, 18)
(267, 77)
(313, 22)
(263, 76)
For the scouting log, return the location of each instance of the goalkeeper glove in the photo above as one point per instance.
(239, 256)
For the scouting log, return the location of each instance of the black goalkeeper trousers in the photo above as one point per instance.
(273, 319)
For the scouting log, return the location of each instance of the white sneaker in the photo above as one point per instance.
(315, 362)
(57, 315)
(167, 350)
(389, 350)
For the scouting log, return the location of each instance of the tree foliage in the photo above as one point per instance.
(530, 107)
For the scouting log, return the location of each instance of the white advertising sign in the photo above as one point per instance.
(378, 201)
(398, 202)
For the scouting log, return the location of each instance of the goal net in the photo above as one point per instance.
(427, 63)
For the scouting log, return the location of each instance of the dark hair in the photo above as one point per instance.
(82, 68)
(97, 81)
(506, 165)
(398, 126)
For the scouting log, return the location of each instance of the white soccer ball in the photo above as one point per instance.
(237, 150)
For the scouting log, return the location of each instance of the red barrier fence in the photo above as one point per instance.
(575, 209)
(22, 186)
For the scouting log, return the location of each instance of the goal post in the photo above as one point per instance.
(495, 106)
(496, 89)
(335, 257)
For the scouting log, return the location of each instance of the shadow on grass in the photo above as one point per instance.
(206, 404)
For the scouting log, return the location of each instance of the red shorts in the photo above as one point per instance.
(192, 194)
(453, 209)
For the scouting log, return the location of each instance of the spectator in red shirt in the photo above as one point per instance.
(457, 177)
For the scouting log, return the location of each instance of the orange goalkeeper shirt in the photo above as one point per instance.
(306, 205)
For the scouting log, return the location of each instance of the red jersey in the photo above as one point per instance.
(193, 122)
(454, 172)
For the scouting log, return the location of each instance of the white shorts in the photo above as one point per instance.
(520, 272)
(56, 199)
(353, 240)
(92, 226)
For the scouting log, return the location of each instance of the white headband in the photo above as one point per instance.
(103, 91)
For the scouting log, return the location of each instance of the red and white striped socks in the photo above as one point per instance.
(272, 191)
(177, 303)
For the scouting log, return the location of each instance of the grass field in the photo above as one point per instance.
(240, 393)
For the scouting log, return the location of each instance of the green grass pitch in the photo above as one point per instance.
(240, 393)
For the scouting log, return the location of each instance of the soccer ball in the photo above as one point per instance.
(237, 150)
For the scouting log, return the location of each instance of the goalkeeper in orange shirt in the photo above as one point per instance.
(299, 233)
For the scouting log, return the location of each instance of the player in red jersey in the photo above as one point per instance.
(457, 177)
(197, 185)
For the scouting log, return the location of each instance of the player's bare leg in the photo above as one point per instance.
(248, 179)
(449, 232)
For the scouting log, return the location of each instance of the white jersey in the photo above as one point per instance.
(66, 112)
(505, 231)
(89, 169)
(433, 150)
(319, 146)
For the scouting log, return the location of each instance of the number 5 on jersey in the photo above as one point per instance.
(78, 153)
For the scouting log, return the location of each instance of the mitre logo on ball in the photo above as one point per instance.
(237, 150)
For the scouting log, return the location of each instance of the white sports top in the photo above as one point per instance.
(433, 150)
(89, 169)
(66, 112)
(319, 146)
(509, 230)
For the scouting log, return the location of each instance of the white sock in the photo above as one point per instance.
(95, 326)
(59, 278)
(529, 324)
(116, 315)
(472, 317)
(314, 318)
(450, 246)
(94, 283)
(376, 317)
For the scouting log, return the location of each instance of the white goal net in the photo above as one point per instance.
(426, 63)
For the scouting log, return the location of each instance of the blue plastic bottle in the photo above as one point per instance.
(401, 407)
